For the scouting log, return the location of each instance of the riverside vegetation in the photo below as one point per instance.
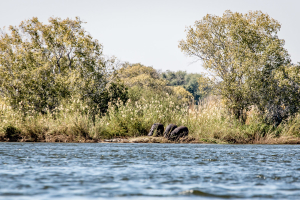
(57, 86)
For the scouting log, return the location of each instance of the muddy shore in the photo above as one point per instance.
(147, 139)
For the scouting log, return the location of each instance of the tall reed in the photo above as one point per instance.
(209, 121)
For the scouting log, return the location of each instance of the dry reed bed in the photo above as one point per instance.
(208, 122)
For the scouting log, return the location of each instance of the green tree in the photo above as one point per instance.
(140, 75)
(243, 53)
(40, 64)
(281, 93)
(142, 81)
(147, 83)
(175, 78)
(189, 81)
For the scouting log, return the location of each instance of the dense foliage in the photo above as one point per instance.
(246, 59)
(56, 85)
(146, 82)
(189, 81)
(140, 75)
(43, 64)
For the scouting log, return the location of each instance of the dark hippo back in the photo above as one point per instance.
(169, 130)
(156, 130)
(179, 132)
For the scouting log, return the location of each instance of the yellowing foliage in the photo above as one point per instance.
(140, 75)
(182, 93)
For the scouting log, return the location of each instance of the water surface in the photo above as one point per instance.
(148, 171)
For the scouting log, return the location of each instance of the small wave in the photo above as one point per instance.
(206, 194)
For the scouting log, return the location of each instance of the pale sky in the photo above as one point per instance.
(148, 32)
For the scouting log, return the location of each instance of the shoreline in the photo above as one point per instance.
(150, 139)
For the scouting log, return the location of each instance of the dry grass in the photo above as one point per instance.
(279, 140)
(149, 139)
(208, 122)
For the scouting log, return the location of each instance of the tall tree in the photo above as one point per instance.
(242, 53)
(42, 63)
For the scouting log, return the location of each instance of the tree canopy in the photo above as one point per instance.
(40, 64)
(189, 81)
(144, 81)
(140, 75)
(243, 54)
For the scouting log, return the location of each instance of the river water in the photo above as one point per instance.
(148, 171)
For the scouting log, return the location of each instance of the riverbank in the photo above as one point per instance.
(190, 140)
(150, 139)
(208, 122)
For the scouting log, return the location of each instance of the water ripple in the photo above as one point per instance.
(148, 171)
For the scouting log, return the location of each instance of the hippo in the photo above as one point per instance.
(168, 130)
(156, 130)
(179, 132)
